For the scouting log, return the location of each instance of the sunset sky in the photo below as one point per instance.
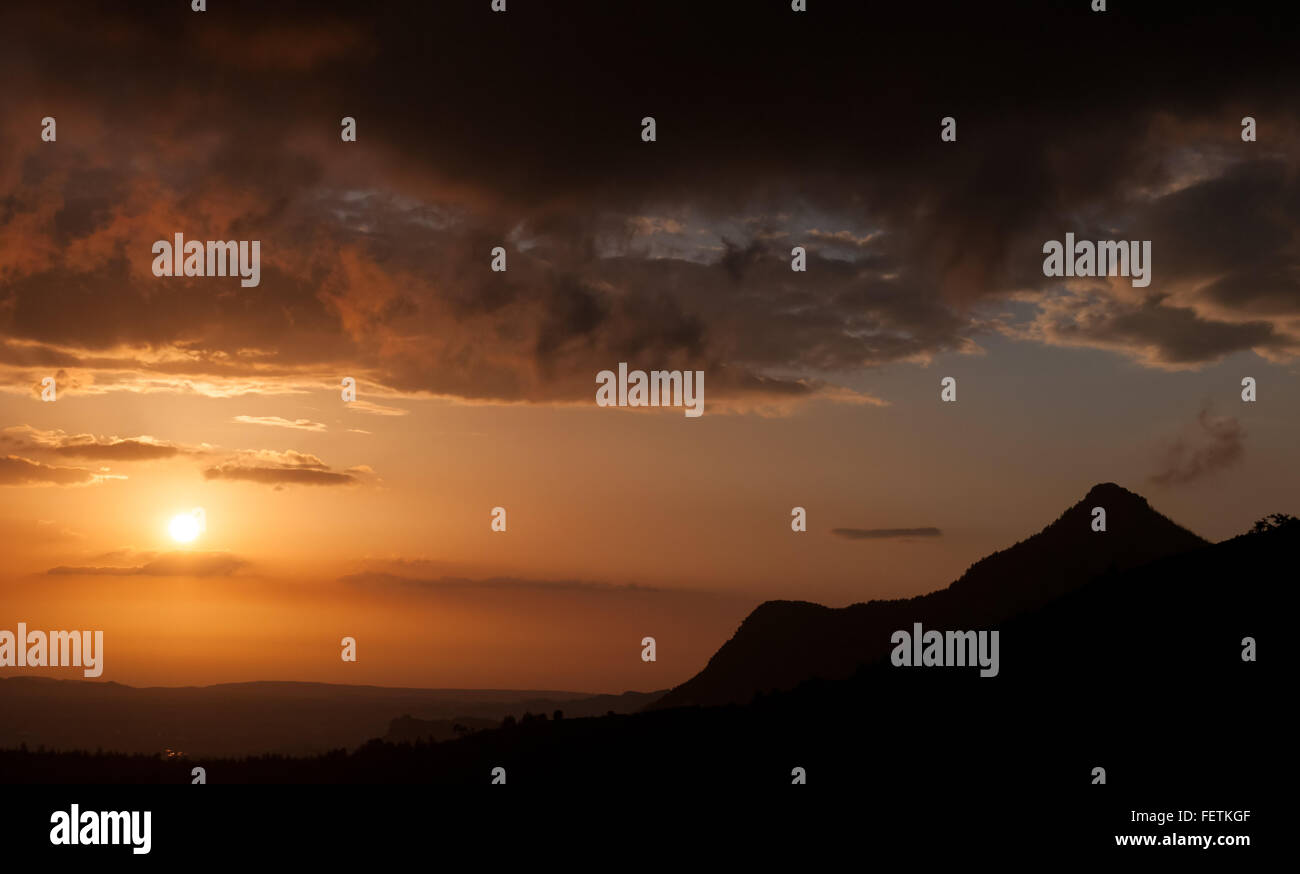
(476, 389)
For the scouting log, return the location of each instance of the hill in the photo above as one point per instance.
(235, 719)
(782, 643)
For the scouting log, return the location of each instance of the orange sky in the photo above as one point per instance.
(476, 388)
(620, 524)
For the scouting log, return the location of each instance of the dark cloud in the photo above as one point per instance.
(885, 533)
(1152, 330)
(665, 254)
(1213, 444)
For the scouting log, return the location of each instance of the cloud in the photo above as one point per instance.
(1152, 332)
(18, 471)
(175, 564)
(885, 533)
(650, 225)
(125, 555)
(846, 238)
(662, 255)
(362, 406)
(279, 422)
(279, 476)
(279, 469)
(143, 448)
(1214, 443)
(270, 467)
(387, 580)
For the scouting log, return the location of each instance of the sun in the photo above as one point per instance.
(185, 527)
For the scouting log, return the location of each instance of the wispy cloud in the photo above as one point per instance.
(1212, 444)
(387, 580)
(847, 238)
(376, 409)
(175, 564)
(884, 533)
(279, 422)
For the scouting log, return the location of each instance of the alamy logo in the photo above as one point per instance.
(234, 258)
(1103, 258)
(946, 649)
(659, 388)
(36, 649)
(93, 827)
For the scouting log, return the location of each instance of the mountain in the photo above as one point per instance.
(782, 643)
(234, 719)
(1138, 671)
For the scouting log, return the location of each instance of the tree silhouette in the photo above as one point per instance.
(1273, 521)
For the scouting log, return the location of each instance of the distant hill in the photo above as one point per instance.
(408, 729)
(782, 643)
(234, 719)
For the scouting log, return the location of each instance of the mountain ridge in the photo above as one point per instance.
(782, 643)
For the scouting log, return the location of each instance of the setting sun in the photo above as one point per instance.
(187, 526)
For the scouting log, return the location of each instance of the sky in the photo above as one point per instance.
(475, 389)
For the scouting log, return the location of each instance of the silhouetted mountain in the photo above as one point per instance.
(1138, 672)
(782, 643)
(232, 719)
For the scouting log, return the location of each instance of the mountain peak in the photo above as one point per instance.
(1103, 492)
(782, 643)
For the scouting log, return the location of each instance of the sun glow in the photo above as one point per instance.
(187, 526)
